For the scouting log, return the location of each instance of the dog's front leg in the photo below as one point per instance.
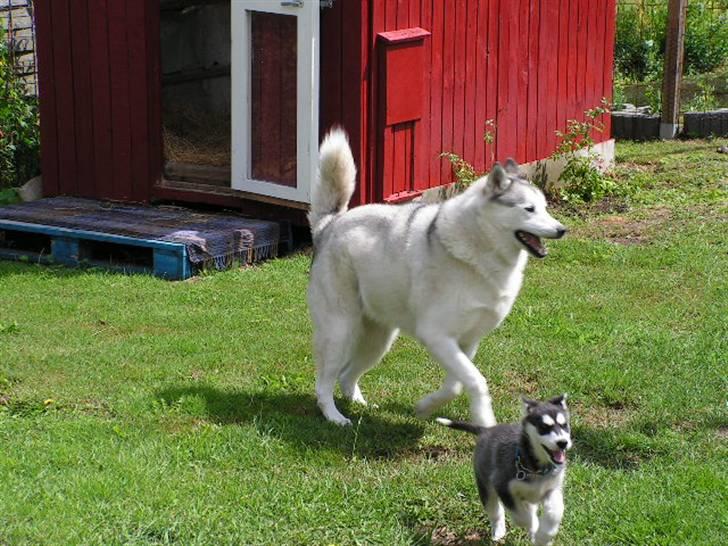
(524, 515)
(553, 512)
(460, 368)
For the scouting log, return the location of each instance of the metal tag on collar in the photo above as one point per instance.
(520, 475)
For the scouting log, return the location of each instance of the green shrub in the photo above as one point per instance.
(19, 130)
(582, 180)
(706, 39)
(640, 44)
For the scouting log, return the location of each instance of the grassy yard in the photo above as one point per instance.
(139, 411)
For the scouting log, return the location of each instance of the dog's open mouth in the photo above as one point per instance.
(558, 456)
(532, 243)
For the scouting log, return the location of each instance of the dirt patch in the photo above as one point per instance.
(519, 383)
(443, 536)
(600, 417)
(722, 433)
(434, 453)
(623, 230)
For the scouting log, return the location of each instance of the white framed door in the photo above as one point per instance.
(275, 94)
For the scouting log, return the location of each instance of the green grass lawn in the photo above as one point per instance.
(139, 411)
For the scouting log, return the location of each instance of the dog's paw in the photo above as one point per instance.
(340, 421)
(423, 409)
(499, 531)
(541, 539)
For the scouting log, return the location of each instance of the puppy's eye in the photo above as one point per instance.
(531, 209)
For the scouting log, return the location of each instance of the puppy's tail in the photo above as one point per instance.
(332, 190)
(461, 425)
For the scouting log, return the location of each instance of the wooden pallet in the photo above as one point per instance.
(79, 248)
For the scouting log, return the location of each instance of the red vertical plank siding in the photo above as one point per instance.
(423, 157)
(583, 55)
(352, 99)
(459, 35)
(590, 60)
(571, 61)
(609, 34)
(100, 99)
(63, 79)
(562, 64)
(435, 137)
(522, 81)
(120, 103)
(82, 107)
(492, 75)
(138, 94)
(448, 90)
(480, 54)
(47, 94)
(508, 61)
(402, 18)
(331, 65)
(533, 83)
(471, 59)
(600, 23)
(154, 95)
(547, 78)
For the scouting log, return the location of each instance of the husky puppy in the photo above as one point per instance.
(522, 466)
(446, 274)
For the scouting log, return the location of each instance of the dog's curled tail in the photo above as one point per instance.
(334, 186)
(461, 425)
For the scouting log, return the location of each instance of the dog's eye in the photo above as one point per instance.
(531, 209)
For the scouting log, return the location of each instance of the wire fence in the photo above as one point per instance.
(16, 20)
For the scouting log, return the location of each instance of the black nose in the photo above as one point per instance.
(560, 232)
(562, 444)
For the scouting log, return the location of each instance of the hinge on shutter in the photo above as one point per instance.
(327, 4)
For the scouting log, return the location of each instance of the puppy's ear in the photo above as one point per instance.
(559, 400)
(512, 167)
(498, 180)
(528, 404)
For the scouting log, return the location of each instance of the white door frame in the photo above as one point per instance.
(307, 15)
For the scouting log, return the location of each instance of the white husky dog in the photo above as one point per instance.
(446, 274)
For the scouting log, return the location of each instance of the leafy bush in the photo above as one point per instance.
(19, 131)
(706, 39)
(640, 45)
(582, 180)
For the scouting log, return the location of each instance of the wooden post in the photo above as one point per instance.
(674, 53)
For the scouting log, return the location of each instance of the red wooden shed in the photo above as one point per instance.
(223, 102)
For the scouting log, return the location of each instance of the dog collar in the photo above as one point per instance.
(522, 472)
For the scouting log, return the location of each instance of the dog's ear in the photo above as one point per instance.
(528, 404)
(559, 400)
(498, 180)
(512, 167)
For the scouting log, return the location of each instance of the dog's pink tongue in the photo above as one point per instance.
(559, 456)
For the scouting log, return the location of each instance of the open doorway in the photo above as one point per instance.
(196, 90)
(240, 95)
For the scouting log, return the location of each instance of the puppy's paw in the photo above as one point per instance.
(542, 539)
(499, 531)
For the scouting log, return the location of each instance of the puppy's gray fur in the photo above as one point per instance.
(522, 466)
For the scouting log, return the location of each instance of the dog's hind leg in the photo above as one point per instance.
(374, 342)
(460, 368)
(496, 514)
(333, 343)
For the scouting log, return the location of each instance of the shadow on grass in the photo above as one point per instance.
(295, 418)
(613, 449)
